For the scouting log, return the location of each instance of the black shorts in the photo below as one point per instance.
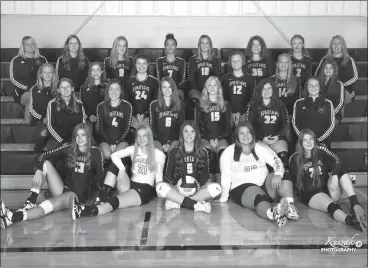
(145, 191)
(236, 193)
(82, 194)
(307, 195)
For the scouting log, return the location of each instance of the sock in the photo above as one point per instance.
(19, 216)
(353, 200)
(348, 220)
(188, 203)
(33, 195)
(290, 199)
(90, 211)
(105, 192)
(270, 214)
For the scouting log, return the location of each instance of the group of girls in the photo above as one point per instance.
(248, 108)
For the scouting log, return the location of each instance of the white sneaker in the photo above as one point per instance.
(202, 206)
(292, 212)
(280, 211)
(171, 205)
(27, 205)
(5, 215)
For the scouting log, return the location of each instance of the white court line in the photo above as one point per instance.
(362, 194)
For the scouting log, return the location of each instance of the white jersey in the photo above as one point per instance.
(140, 167)
(247, 169)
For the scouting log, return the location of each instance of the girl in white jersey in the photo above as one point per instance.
(147, 169)
(245, 177)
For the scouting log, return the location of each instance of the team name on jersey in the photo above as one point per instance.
(269, 112)
(281, 84)
(310, 164)
(257, 65)
(81, 158)
(214, 109)
(141, 160)
(168, 113)
(298, 65)
(205, 64)
(170, 67)
(238, 82)
(141, 87)
(189, 159)
(116, 113)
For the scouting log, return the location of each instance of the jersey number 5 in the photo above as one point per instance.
(141, 95)
(214, 116)
(114, 122)
(204, 70)
(269, 119)
(237, 90)
(298, 72)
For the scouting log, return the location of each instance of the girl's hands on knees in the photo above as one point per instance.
(267, 139)
(113, 147)
(93, 118)
(44, 121)
(333, 186)
(37, 179)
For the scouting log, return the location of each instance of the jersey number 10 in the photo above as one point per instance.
(204, 70)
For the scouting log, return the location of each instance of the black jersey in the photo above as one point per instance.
(268, 120)
(61, 122)
(214, 124)
(287, 96)
(327, 162)
(175, 69)
(38, 102)
(200, 70)
(165, 124)
(259, 69)
(121, 71)
(114, 122)
(141, 93)
(302, 68)
(74, 73)
(192, 167)
(91, 97)
(333, 90)
(238, 91)
(79, 177)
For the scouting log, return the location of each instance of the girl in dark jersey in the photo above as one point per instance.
(333, 88)
(73, 64)
(187, 180)
(171, 65)
(258, 63)
(63, 113)
(287, 85)
(167, 114)
(213, 115)
(202, 65)
(310, 166)
(41, 93)
(118, 65)
(238, 86)
(114, 117)
(269, 117)
(23, 72)
(314, 111)
(82, 167)
(301, 60)
(140, 90)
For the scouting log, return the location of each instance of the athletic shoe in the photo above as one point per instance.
(292, 212)
(5, 215)
(97, 201)
(280, 211)
(360, 217)
(202, 206)
(171, 205)
(27, 205)
(77, 209)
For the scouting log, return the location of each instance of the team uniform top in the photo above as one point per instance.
(60, 123)
(78, 178)
(175, 69)
(191, 168)
(214, 124)
(39, 100)
(91, 97)
(238, 91)
(302, 68)
(268, 120)
(335, 93)
(259, 69)
(327, 162)
(247, 169)
(23, 72)
(114, 122)
(288, 98)
(122, 71)
(166, 124)
(347, 73)
(141, 93)
(78, 76)
(200, 70)
(318, 116)
(140, 167)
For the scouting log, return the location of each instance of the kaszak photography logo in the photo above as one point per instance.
(342, 245)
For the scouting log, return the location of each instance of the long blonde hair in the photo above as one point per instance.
(291, 78)
(205, 100)
(21, 52)
(113, 60)
(211, 50)
(151, 157)
(40, 81)
(346, 56)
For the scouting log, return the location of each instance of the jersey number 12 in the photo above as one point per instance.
(237, 90)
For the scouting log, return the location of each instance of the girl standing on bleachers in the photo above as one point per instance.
(23, 72)
(348, 74)
(82, 167)
(301, 60)
(41, 93)
(333, 88)
(167, 114)
(258, 62)
(114, 117)
(119, 64)
(171, 65)
(64, 112)
(73, 64)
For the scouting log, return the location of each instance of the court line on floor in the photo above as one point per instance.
(145, 229)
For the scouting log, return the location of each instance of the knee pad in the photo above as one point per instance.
(332, 207)
(260, 198)
(284, 158)
(162, 189)
(47, 206)
(114, 202)
(214, 189)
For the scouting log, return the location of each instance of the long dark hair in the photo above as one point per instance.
(199, 152)
(238, 145)
(73, 151)
(107, 98)
(175, 103)
(264, 49)
(259, 89)
(90, 81)
(333, 79)
(66, 54)
(60, 103)
(301, 159)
